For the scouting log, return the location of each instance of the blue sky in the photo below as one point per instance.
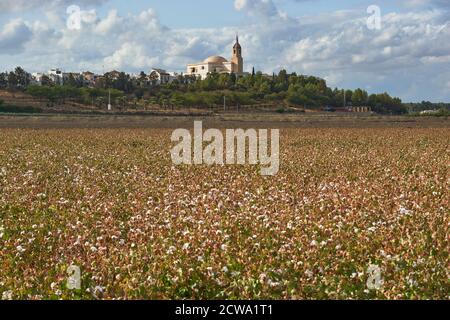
(408, 56)
(197, 13)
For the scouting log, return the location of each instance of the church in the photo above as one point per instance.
(219, 64)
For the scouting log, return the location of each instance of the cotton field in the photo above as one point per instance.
(111, 203)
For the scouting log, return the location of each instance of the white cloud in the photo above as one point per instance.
(402, 42)
(110, 23)
(240, 4)
(13, 36)
(257, 7)
(430, 3)
(21, 5)
(409, 50)
(131, 55)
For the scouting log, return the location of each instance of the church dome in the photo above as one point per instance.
(215, 59)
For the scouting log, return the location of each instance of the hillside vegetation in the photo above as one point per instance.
(280, 91)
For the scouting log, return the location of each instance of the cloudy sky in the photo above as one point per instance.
(408, 56)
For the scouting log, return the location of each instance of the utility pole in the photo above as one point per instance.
(224, 103)
(345, 98)
(109, 100)
(109, 90)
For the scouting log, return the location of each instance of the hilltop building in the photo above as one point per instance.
(219, 64)
(56, 75)
(89, 78)
(160, 76)
(36, 78)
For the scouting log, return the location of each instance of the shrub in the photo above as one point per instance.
(18, 109)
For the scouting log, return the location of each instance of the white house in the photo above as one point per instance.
(56, 75)
(36, 78)
(160, 76)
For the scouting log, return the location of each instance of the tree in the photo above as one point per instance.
(12, 80)
(139, 93)
(282, 76)
(225, 81)
(337, 98)
(3, 80)
(143, 79)
(153, 78)
(39, 92)
(359, 98)
(90, 95)
(71, 81)
(46, 81)
(349, 97)
(122, 101)
(23, 78)
(102, 82)
(384, 103)
(101, 102)
(211, 82)
(123, 83)
(264, 88)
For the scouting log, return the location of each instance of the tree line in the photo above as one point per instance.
(256, 88)
(427, 105)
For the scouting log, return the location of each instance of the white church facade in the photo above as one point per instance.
(218, 64)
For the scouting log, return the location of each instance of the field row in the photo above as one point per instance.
(111, 203)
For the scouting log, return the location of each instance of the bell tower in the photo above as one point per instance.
(237, 60)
